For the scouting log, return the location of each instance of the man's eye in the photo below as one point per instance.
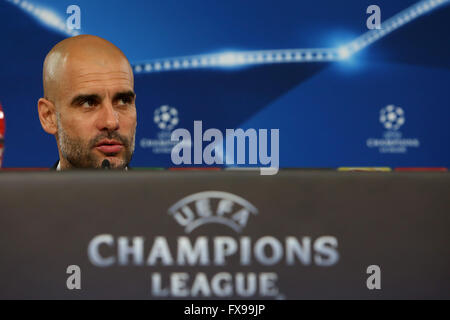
(123, 101)
(89, 103)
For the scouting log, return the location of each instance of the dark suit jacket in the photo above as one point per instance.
(54, 166)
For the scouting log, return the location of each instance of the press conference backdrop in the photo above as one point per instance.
(339, 106)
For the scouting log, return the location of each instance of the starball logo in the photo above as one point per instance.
(205, 262)
(165, 118)
(392, 118)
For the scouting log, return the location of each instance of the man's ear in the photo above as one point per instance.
(47, 116)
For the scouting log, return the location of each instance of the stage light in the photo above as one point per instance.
(213, 61)
(344, 53)
(227, 59)
(45, 16)
(230, 59)
(250, 59)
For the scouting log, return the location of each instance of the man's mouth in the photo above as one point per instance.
(109, 147)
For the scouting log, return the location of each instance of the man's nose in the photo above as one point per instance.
(108, 118)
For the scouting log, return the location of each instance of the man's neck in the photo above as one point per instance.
(58, 167)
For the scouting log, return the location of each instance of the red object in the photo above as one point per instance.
(2, 133)
(412, 169)
(2, 123)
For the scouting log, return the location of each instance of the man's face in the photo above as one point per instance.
(96, 113)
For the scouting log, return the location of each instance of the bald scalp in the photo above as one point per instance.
(82, 50)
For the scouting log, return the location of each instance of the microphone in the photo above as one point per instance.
(106, 165)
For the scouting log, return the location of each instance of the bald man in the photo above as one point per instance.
(89, 103)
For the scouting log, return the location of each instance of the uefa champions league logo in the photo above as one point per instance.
(197, 209)
(212, 264)
(166, 117)
(392, 117)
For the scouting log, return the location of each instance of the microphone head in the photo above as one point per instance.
(106, 165)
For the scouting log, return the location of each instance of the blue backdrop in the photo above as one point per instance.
(385, 105)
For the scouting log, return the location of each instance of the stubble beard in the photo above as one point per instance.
(79, 154)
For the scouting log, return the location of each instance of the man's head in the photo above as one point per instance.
(89, 103)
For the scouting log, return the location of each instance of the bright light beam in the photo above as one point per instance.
(344, 52)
